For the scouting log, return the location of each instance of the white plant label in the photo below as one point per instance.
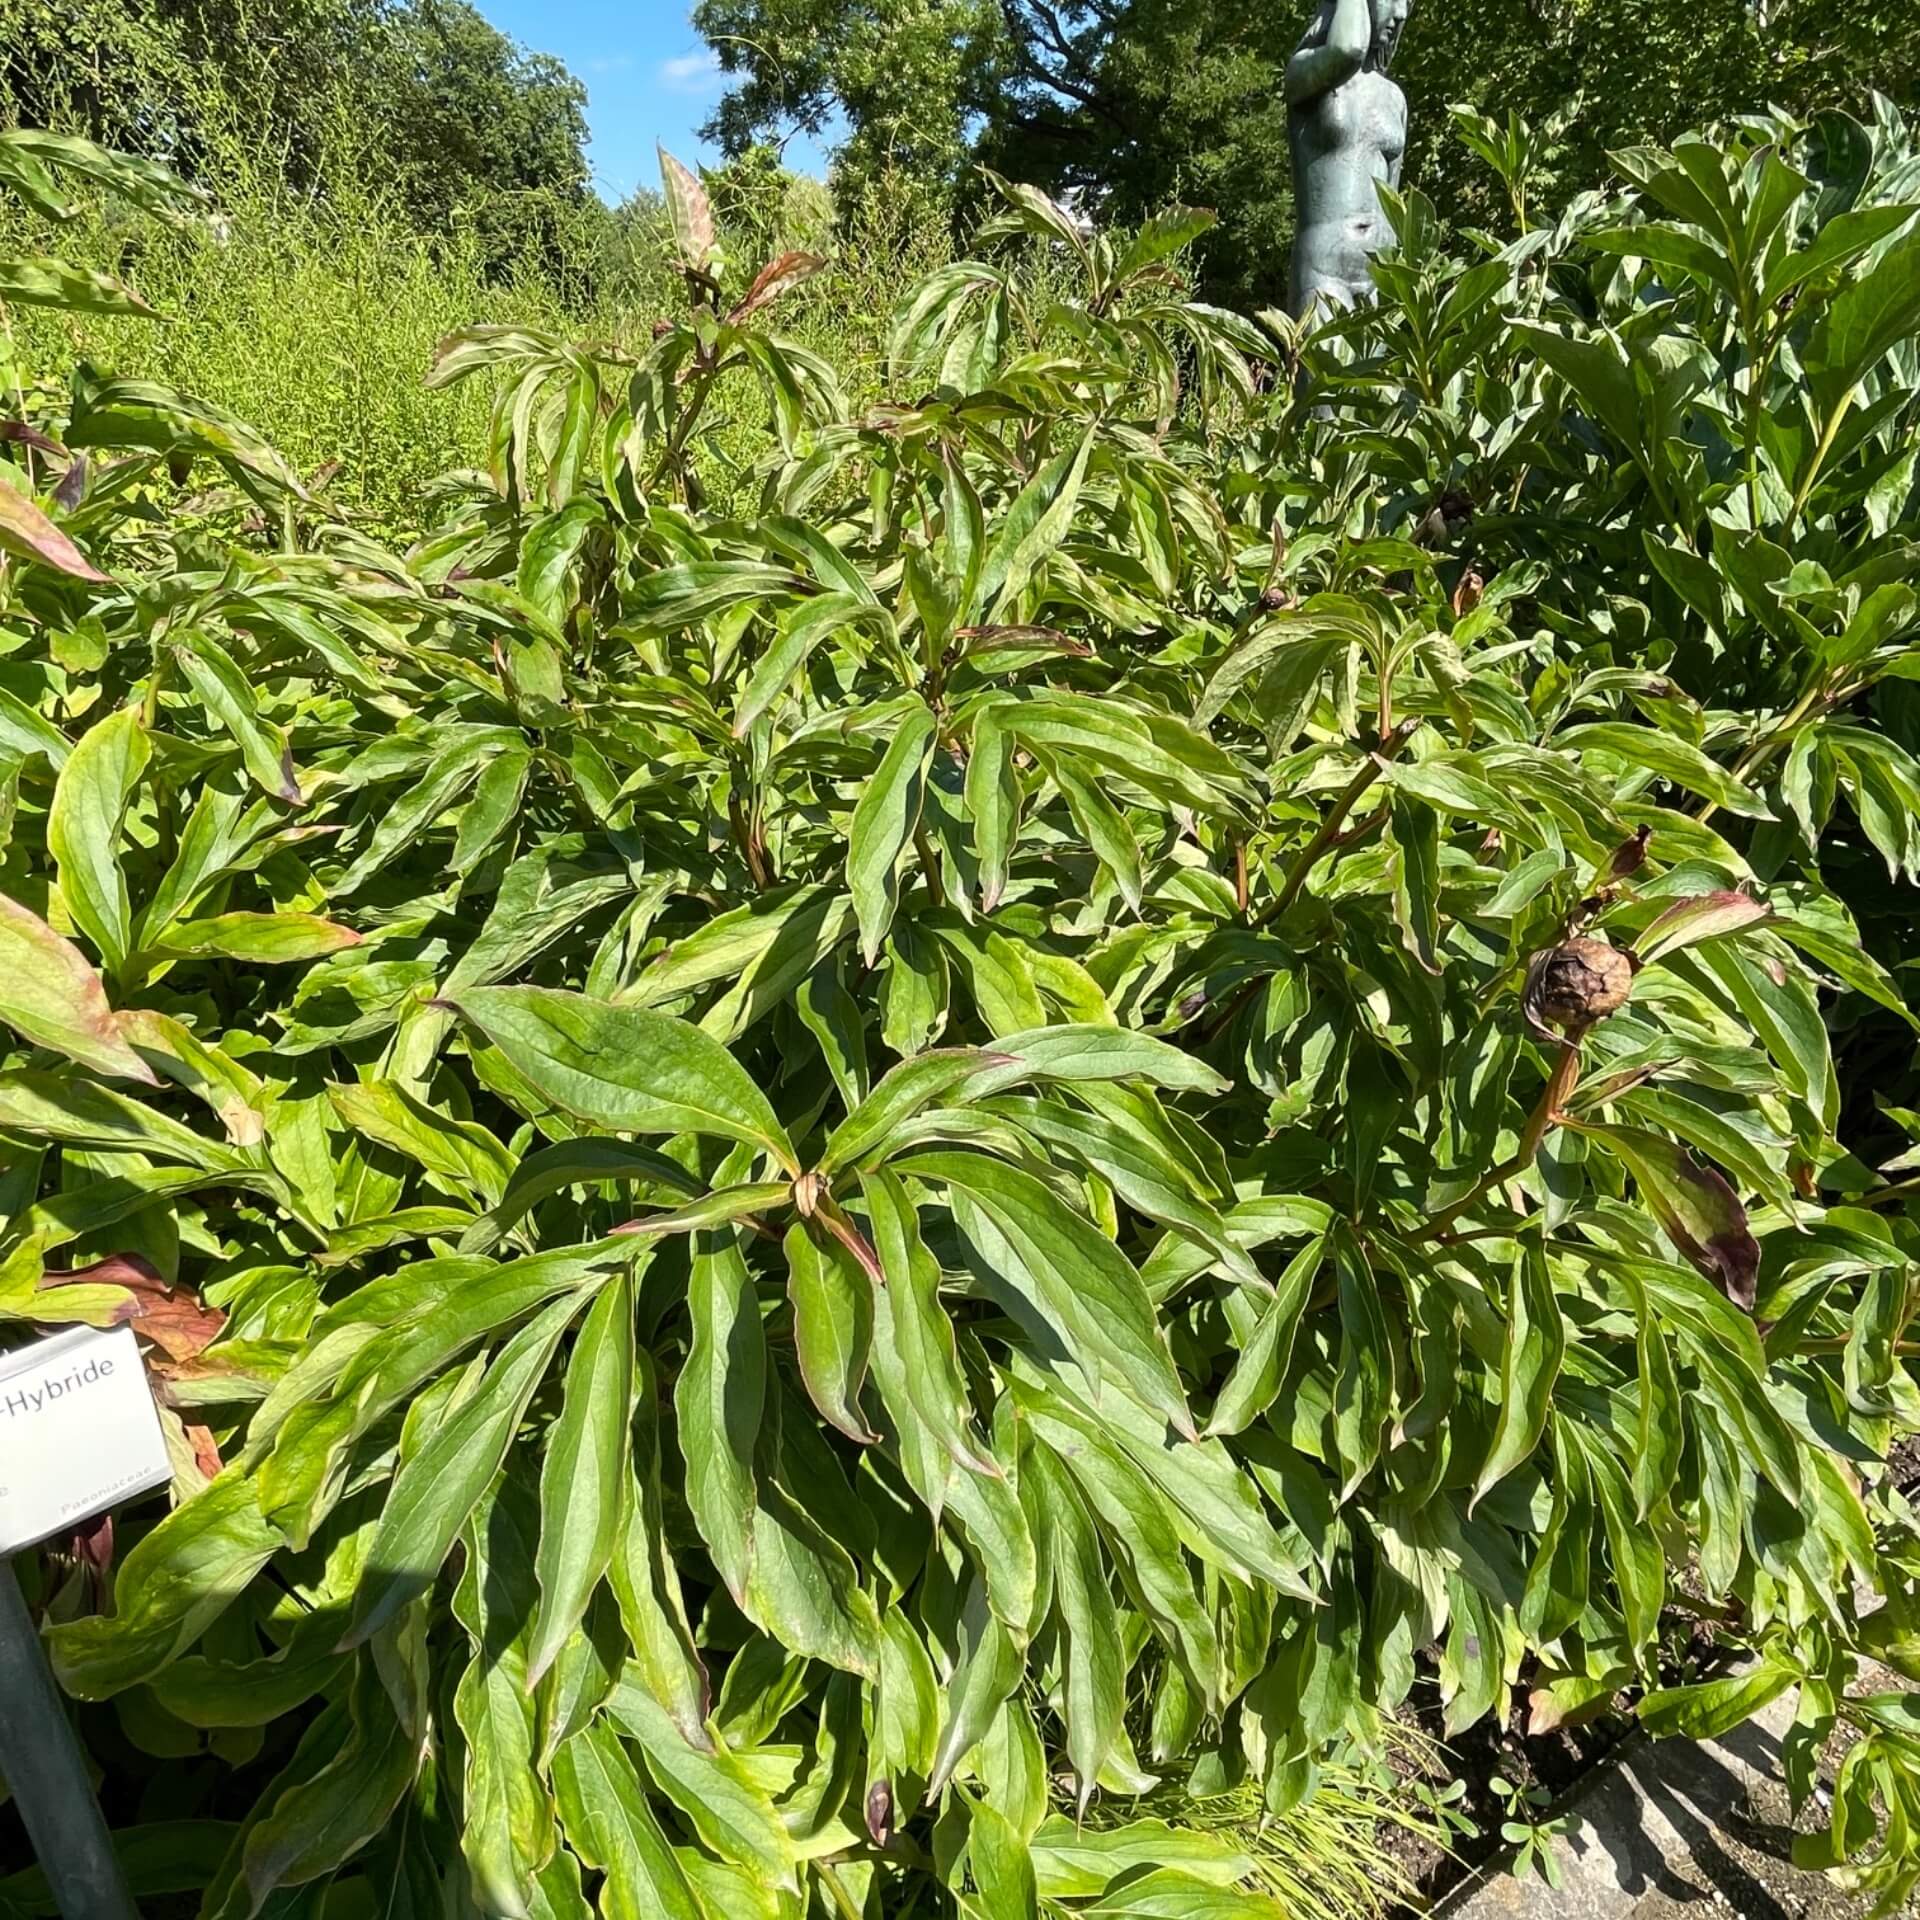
(78, 1432)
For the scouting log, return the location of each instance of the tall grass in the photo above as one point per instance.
(313, 315)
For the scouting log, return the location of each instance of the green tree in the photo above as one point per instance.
(423, 96)
(1136, 103)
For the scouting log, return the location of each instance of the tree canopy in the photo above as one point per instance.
(1138, 102)
(422, 96)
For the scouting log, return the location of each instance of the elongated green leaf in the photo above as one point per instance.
(1668, 756)
(585, 1474)
(719, 1398)
(643, 1577)
(435, 1491)
(603, 1807)
(508, 1831)
(1699, 1211)
(624, 1068)
(175, 1583)
(832, 1327)
(227, 694)
(83, 829)
(1260, 1369)
(886, 819)
(801, 629)
(919, 1367)
(263, 939)
(1077, 1276)
(911, 1086)
(317, 1823)
(728, 1809)
(1713, 1707)
(1536, 1344)
(1864, 321)
(1096, 1664)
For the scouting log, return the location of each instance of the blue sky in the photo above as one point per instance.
(648, 77)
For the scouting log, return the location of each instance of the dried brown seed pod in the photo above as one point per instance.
(1571, 986)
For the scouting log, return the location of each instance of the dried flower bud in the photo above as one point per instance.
(1469, 593)
(1630, 855)
(1571, 986)
(879, 1812)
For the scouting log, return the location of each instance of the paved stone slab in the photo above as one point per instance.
(1673, 1829)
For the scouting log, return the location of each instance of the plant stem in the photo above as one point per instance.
(1832, 433)
(1884, 1196)
(1763, 749)
(930, 866)
(1357, 788)
(1544, 1118)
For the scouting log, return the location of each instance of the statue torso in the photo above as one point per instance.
(1344, 143)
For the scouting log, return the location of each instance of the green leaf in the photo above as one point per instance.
(603, 1808)
(1707, 916)
(730, 1812)
(1095, 1693)
(1074, 1862)
(316, 1823)
(1536, 1343)
(584, 1475)
(928, 1387)
(438, 1488)
(262, 939)
(27, 532)
(40, 281)
(832, 1302)
(1002, 1867)
(1260, 1367)
(1035, 525)
(624, 1068)
(83, 829)
(1073, 1273)
(801, 629)
(1863, 322)
(884, 822)
(1363, 1384)
(719, 1398)
(52, 998)
(1668, 756)
(1700, 1213)
(644, 1579)
(908, 1088)
(507, 1833)
(228, 696)
(172, 1586)
(1714, 1707)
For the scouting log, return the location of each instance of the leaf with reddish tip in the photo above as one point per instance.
(1706, 916)
(52, 997)
(780, 275)
(25, 530)
(134, 1293)
(690, 212)
(1699, 1212)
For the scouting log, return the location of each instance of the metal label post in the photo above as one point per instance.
(44, 1766)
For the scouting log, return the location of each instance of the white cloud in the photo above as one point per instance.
(694, 73)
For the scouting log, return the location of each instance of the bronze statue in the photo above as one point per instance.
(1347, 128)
